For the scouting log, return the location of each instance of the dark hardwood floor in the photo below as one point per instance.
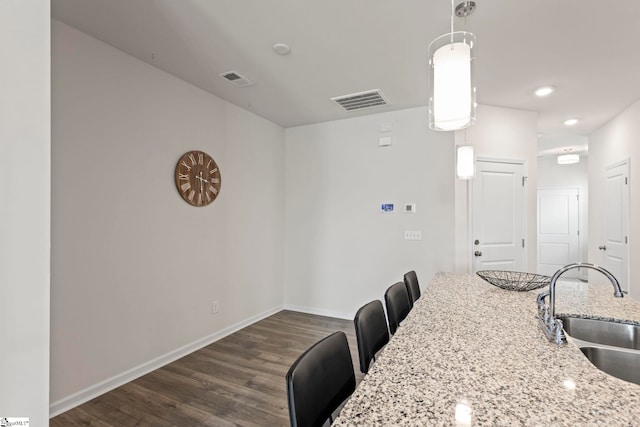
(236, 381)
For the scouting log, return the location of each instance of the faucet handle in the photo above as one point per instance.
(560, 337)
(543, 308)
(541, 300)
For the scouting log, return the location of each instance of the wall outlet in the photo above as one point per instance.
(413, 235)
(215, 307)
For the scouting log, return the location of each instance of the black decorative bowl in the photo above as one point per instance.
(514, 280)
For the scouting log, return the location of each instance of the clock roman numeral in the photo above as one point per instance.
(183, 177)
(190, 197)
(212, 171)
(184, 187)
(208, 196)
(208, 163)
(183, 163)
(200, 158)
(199, 198)
(192, 158)
(215, 180)
(213, 189)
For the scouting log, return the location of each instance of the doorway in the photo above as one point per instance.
(498, 216)
(616, 222)
(558, 226)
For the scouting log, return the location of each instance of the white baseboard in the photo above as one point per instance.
(109, 384)
(320, 311)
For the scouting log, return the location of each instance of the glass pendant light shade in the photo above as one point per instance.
(452, 91)
(465, 163)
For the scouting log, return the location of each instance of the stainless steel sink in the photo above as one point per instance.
(602, 332)
(618, 363)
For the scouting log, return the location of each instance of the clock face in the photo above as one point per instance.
(197, 178)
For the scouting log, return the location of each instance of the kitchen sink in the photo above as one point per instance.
(603, 332)
(618, 363)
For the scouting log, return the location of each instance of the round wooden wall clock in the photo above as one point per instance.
(197, 178)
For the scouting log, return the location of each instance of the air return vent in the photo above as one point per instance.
(361, 100)
(236, 79)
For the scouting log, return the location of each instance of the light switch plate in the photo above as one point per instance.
(385, 141)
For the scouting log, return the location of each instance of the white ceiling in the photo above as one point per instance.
(587, 49)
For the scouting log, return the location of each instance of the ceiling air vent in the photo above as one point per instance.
(236, 79)
(361, 100)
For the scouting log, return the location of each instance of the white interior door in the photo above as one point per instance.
(558, 230)
(498, 216)
(616, 222)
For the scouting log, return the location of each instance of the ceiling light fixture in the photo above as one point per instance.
(568, 158)
(452, 91)
(544, 91)
(281, 48)
(570, 122)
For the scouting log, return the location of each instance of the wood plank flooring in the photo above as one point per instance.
(236, 381)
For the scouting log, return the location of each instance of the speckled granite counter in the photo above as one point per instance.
(473, 350)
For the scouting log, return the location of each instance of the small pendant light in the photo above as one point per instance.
(452, 92)
(465, 162)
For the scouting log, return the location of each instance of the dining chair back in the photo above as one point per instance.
(398, 306)
(371, 332)
(413, 288)
(319, 381)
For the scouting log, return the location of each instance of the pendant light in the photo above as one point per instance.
(452, 92)
(465, 164)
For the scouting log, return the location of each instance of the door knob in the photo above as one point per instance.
(602, 247)
(477, 253)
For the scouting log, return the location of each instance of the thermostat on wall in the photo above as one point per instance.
(386, 207)
(410, 207)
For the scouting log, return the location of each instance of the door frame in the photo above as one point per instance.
(525, 224)
(627, 213)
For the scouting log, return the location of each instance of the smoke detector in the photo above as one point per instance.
(236, 79)
(361, 100)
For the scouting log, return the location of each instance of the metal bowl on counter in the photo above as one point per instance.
(514, 280)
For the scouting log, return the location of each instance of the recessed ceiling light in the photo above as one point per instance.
(544, 91)
(570, 122)
(281, 48)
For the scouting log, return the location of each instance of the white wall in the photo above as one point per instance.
(24, 210)
(616, 141)
(135, 269)
(498, 133)
(551, 175)
(340, 251)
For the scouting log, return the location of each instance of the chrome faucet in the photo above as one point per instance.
(552, 327)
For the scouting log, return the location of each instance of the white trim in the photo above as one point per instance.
(109, 384)
(626, 161)
(320, 311)
(501, 160)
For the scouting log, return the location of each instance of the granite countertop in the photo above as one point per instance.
(470, 353)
